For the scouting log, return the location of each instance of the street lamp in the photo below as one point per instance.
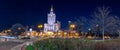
(97, 30)
(9, 30)
(40, 26)
(89, 29)
(19, 28)
(97, 25)
(69, 22)
(72, 26)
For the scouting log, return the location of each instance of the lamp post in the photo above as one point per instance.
(97, 30)
(119, 33)
(40, 26)
(19, 28)
(69, 22)
(72, 26)
(89, 31)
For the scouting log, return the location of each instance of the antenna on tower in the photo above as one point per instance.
(51, 8)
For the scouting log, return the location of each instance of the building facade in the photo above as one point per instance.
(51, 24)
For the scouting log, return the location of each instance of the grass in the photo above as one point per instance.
(76, 44)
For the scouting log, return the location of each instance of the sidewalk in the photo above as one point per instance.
(20, 47)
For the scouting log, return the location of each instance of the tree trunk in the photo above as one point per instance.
(119, 33)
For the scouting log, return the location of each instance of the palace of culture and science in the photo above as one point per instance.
(51, 24)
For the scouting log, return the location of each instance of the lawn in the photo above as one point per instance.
(76, 44)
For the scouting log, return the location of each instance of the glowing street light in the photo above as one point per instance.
(40, 26)
(9, 30)
(72, 26)
(19, 28)
(89, 29)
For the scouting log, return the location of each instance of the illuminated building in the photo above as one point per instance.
(51, 24)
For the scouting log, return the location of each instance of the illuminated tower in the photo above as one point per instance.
(51, 17)
(51, 22)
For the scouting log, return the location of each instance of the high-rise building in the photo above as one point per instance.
(51, 24)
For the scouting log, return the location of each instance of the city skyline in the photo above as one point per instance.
(31, 12)
(59, 24)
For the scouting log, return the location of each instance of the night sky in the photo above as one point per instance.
(33, 12)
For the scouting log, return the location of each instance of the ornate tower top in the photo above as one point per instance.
(51, 17)
(51, 8)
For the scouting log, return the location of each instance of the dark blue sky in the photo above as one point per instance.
(33, 12)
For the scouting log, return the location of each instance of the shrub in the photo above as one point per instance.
(30, 47)
(76, 44)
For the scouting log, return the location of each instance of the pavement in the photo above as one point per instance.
(22, 46)
(7, 45)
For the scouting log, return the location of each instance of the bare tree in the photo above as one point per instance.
(17, 29)
(117, 24)
(100, 18)
(81, 24)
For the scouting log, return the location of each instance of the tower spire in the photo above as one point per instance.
(51, 8)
